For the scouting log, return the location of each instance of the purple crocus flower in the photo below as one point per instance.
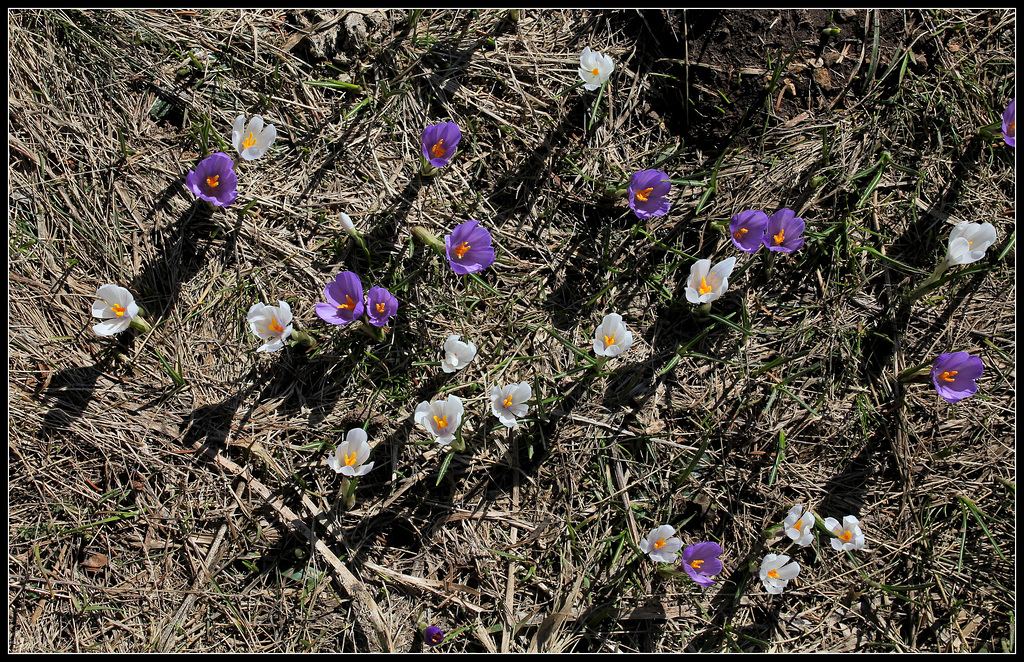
(954, 375)
(433, 635)
(784, 232)
(469, 248)
(1010, 124)
(345, 299)
(214, 180)
(439, 142)
(747, 230)
(381, 305)
(701, 560)
(647, 193)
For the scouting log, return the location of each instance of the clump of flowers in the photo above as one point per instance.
(595, 68)
(775, 573)
(254, 140)
(457, 354)
(612, 337)
(701, 561)
(440, 418)
(214, 180)
(270, 323)
(508, 403)
(117, 308)
(648, 193)
(439, 142)
(468, 248)
(660, 545)
(848, 534)
(800, 525)
(954, 375)
(747, 230)
(1010, 123)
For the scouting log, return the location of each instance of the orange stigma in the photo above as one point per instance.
(704, 287)
(659, 543)
(595, 71)
(739, 233)
(507, 402)
(696, 563)
(773, 573)
(644, 194)
(438, 149)
(213, 182)
(274, 326)
(799, 526)
(441, 422)
(609, 340)
(380, 307)
(781, 237)
(845, 536)
(118, 310)
(350, 459)
(249, 142)
(349, 304)
(461, 249)
(948, 375)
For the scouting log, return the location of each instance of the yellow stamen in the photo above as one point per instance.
(441, 422)
(644, 194)
(213, 182)
(438, 149)
(350, 459)
(461, 249)
(948, 375)
(249, 142)
(118, 310)
(349, 304)
(781, 237)
(595, 71)
(696, 563)
(845, 536)
(773, 573)
(380, 307)
(609, 340)
(739, 233)
(704, 287)
(275, 327)
(507, 402)
(659, 543)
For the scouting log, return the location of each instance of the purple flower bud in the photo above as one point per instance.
(784, 231)
(439, 142)
(345, 300)
(433, 635)
(469, 248)
(954, 375)
(381, 305)
(647, 193)
(747, 230)
(214, 180)
(701, 560)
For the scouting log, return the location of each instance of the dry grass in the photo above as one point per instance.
(167, 490)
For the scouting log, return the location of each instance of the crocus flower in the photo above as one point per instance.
(848, 535)
(1010, 123)
(271, 323)
(457, 354)
(381, 305)
(440, 418)
(701, 560)
(351, 455)
(345, 299)
(469, 248)
(707, 283)
(255, 140)
(648, 191)
(660, 545)
(784, 231)
(800, 528)
(595, 68)
(433, 635)
(954, 375)
(775, 574)
(747, 230)
(347, 224)
(439, 143)
(509, 403)
(214, 180)
(612, 337)
(968, 242)
(116, 308)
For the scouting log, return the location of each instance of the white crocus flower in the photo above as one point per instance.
(116, 308)
(351, 455)
(775, 574)
(595, 68)
(254, 141)
(612, 337)
(457, 354)
(800, 528)
(660, 545)
(440, 418)
(848, 534)
(346, 222)
(969, 241)
(271, 323)
(707, 283)
(509, 403)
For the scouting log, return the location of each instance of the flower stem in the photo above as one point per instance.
(140, 324)
(702, 311)
(374, 332)
(599, 362)
(928, 282)
(302, 339)
(428, 238)
(458, 443)
(427, 170)
(769, 264)
(348, 492)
